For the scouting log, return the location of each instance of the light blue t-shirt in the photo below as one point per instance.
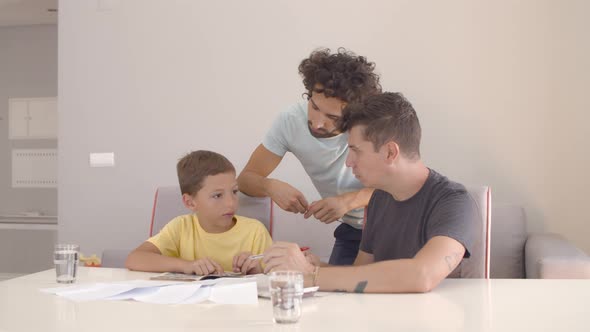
(322, 158)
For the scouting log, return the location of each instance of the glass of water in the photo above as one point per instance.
(286, 291)
(65, 257)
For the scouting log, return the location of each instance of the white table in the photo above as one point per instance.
(456, 305)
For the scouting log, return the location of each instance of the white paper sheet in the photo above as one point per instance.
(199, 296)
(235, 293)
(222, 290)
(98, 292)
(87, 287)
(170, 294)
(129, 295)
(307, 292)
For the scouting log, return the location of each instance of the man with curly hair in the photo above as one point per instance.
(309, 130)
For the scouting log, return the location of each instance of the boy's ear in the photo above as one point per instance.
(189, 202)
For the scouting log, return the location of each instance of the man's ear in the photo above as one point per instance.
(189, 202)
(392, 151)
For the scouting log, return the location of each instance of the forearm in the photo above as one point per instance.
(357, 199)
(253, 184)
(153, 262)
(394, 276)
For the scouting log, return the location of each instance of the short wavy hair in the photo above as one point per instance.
(387, 116)
(343, 75)
(193, 168)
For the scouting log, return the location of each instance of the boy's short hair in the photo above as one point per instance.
(193, 168)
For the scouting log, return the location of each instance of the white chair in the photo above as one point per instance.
(518, 254)
(478, 265)
(504, 249)
(168, 205)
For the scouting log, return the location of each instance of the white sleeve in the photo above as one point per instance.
(276, 139)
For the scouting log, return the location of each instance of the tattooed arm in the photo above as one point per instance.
(433, 263)
(422, 273)
(363, 258)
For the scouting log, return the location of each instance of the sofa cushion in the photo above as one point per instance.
(551, 256)
(565, 268)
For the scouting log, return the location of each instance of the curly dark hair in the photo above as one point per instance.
(344, 75)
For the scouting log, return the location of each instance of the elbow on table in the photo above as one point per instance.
(423, 287)
(425, 282)
(129, 263)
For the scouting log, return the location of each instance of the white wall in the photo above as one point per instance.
(498, 88)
(28, 68)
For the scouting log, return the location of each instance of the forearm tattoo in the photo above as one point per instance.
(360, 287)
(453, 260)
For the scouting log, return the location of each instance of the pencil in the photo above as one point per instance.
(262, 255)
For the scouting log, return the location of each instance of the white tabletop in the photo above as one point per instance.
(455, 305)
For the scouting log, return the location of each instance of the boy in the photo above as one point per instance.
(212, 239)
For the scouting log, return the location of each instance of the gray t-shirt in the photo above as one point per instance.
(397, 230)
(324, 159)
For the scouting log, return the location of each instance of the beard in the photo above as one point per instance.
(322, 133)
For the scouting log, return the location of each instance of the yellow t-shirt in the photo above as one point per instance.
(183, 237)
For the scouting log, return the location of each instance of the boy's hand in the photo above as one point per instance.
(203, 266)
(243, 264)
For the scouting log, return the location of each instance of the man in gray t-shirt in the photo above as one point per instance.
(399, 229)
(420, 226)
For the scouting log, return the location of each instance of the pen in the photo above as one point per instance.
(262, 255)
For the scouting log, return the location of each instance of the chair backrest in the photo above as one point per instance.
(168, 205)
(509, 236)
(478, 265)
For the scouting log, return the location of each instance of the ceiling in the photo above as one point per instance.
(27, 12)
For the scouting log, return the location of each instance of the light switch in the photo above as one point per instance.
(102, 159)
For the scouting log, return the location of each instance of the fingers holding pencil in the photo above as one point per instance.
(286, 256)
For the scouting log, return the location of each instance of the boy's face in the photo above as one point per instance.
(217, 201)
